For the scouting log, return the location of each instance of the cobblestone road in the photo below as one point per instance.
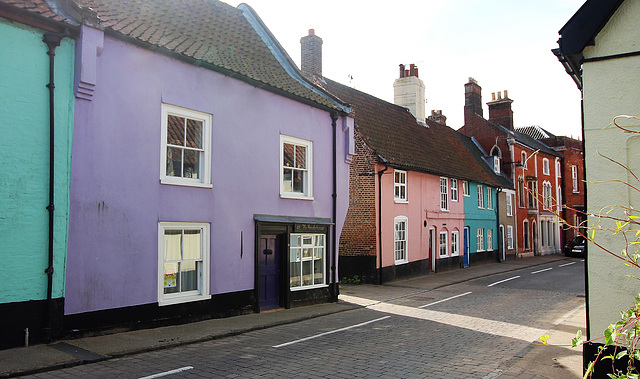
(477, 329)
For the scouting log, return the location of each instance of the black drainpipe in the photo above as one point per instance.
(334, 120)
(52, 41)
(386, 167)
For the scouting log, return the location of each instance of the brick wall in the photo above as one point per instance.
(358, 236)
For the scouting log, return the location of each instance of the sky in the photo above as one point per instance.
(502, 44)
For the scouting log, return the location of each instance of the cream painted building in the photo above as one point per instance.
(600, 49)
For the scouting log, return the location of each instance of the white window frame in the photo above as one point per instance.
(480, 239)
(444, 194)
(318, 253)
(523, 156)
(496, 165)
(547, 197)
(204, 170)
(509, 237)
(307, 193)
(455, 243)
(400, 245)
(522, 193)
(480, 189)
(509, 204)
(489, 198)
(465, 188)
(489, 239)
(443, 244)
(558, 169)
(203, 276)
(399, 195)
(454, 190)
(525, 234)
(574, 179)
(545, 166)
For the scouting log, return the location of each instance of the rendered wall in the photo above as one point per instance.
(117, 199)
(24, 155)
(423, 195)
(610, 89)
(480, 217)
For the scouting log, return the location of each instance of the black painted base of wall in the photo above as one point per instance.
(603, 367)
(362, 267)
(406, 270)
(153, 315)
(315, 296)
(483, 257)
(16, 317)
(446, 264)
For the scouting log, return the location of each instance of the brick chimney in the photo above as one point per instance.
(408, 91)
(500, 110)
(311, 54)
(472, 98)
(438, 117)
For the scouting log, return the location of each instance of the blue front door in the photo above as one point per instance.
(465, 259)
(269, 256)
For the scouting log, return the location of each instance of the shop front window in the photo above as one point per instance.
(307, 260)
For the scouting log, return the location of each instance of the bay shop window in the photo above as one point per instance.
(307, 260)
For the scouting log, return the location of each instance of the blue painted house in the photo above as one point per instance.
(35, 155)
(484, 238)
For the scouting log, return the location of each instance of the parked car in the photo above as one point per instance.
(576, 247)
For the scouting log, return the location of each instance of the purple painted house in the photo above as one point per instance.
(209, 178)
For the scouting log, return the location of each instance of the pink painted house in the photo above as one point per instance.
(407, 192)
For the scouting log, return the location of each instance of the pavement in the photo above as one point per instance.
(533, 362)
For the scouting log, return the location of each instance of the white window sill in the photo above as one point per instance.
(404, 261)
(444, 210)
(302, 288)
(185, 299)
(295, 196)
(400, 201)
(185, 183)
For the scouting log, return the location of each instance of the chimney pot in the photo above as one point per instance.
(312, 32)
(493, 96)
(505, 94)
(401, 70)
(499, 95)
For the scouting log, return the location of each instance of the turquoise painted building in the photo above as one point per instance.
(33, 287)
(481, 220)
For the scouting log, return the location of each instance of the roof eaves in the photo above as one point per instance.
(282, 57)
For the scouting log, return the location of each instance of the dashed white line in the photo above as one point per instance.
(502, 281)
(567, 264)
(443, 300)
(543, 270)
(331, 332)
(159, 375)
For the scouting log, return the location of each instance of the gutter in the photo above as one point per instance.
(52, 40)
(334, 250)
(380, 173)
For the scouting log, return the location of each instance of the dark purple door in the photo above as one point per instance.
(269, 256)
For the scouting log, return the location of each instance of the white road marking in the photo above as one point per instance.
(502, 281)
(443, 300)
(331, 332)
(167, 373)
(493, 327)
(543, 270)
(567, 264)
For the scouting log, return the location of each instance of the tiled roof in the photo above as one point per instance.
(208, 31)
(486, 162)
(395, 135)
(39, 7)
(534, 131)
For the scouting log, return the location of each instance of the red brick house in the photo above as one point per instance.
(533, 167)
(572, 173)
